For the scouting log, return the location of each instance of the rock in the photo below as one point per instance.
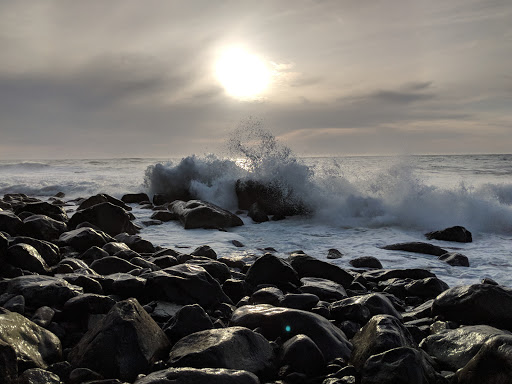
(380, 334)
(492, 363)
(302, 355)
(420, 311)
(189, 319)
(334, 254)
(270, 269)
(428, 288)
(88, 283)
(232, 348)
(307, 266)
(82, 375)
(417, 247)
(326, 290)
(457, 233)
(386, 274)
(454, 348)
(131, 198)
(218, 270)
(43, 227)
(123, 344)
(114, 247)
(8, 364)
(205, 375)
(366, 262)
(455, 259)
(401, 365)
(10, 223)
(164, 216)
(34, 346)
(185, 284)
(268, 295)
(82, 239)
(15, 304)
(273, 322)
(206, 251)
(86, 304)
(102, 198)
(92, 254)
(136, 243)
(4, 244)
(350, 310)
(48, 251)
(26, 257)
(235, 289)
(201, 214)
(376, 303)
(476, 304)
(108, 217)
(257, 214)
(43, 208)
(163, 311)
(237, 243)
(43, 316)
(112, 264)
(39, 291)
(124, 285)
(302, 301)
(38, 376)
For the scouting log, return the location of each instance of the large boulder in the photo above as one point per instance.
(455, 259)
(34, 346)
(131, 198)
(453, 348)
(84, 238)
(476, 304)
(26, 257)
(457, 233)
(273, 322)
(194, 375)
(10, 223)
(326, 290)
(102, 198)
(43, 227)
(361, 308)
(136, 243)
(48, 251)
(218, 270)
(301, 354)
(110, 218)
(126, 342)
(189, 319)
(112, 264)
(43, 208)
(307, 266)
(270, 269)
(232, 348)
(417, 247)
(201, 214)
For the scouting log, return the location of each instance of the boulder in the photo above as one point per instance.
(455, 259)
(102, 198)
(303, 301)
(386, 274)
(218, 270)
(43, 227)
(417, 247)
(457, 233)
(232, 348)
(10, 223)
(302, 355)
(380, 334)
(307, 266)
(136, 243)
(112, 264)
(131, 198)
(273, 322)
(205, 251)
(270, 269)
(326, 290)
(427, 288)
(267, 295)
(333, 254)
(4, 244)
(86, 304)
(48, 251)
(93, 253)
(189, 319)
(15, 304)
(126, 342)
(164, 216)
(35, 347)
(43, 316)
(82, 239)
(43, 208)
(110, 218)
(201, 214)
(376, 303)
(476, 304)
(114, 247)
(194, 375)
(8, 364)
(366, 262)
(257, 214)
(124, 285)
(26, 257)
(38, 376)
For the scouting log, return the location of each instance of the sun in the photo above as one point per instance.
(242, 74)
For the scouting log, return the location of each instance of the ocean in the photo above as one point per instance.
(358, 204)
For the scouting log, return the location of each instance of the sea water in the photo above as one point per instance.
(357, 204)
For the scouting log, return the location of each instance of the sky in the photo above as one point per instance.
(126, 78)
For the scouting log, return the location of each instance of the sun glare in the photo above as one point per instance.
(242, 74)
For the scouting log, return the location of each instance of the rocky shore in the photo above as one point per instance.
(85, 299)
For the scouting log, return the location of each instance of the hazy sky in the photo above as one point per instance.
(136, 78)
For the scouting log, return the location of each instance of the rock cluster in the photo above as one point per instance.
(86, 300)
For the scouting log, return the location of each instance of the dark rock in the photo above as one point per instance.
(82, 239)
(61, 369)
(189, 319)
(366, 262)
(88, 283)
(218, 270)
(401, 365)
(457, 233)
(164, 216)
(88, 303)
(26, 257)
(114, 247)
(4, 244)
(48, 251)
(8, 364)
(43, 227)
(108, 217)
(326, 290)
(386, 274)
(205, 375)
(231, 348)
(82, 375)
(43, 208)
(334, 254)
(143, 263)
(123, 344)
(124, 285)
(136, 243)
(112, 264)
(127, 254)
(268, 295)
(237, 243)
(488, 280)
(206, 251)
(422, 310)
(164, 261)
(257, 214)
(273, 322)
(455, 347)
(349, 309)
(163, 311)
(476, 304)
(38, 376)
(102, 198)
(131, 198)
(428, 288)
(307, 266)
(376, 303)
(455, 259)
(417, 247)
(15, 304)
(302, 355)
(302, 301)
(43, 316)
(270, 269)
(10, 223)
(235, 289)
(201, 214)
(34, 346)
(380, 334)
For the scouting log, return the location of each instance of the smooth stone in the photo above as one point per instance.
(38, 376)
(268, 295)
(194, 375)
(307, 266)
(302, 301)
(455, 259)
(26, 257)
(102, 198)
(112, 264)
(10, 223)
(93, 253)
(257, 214)
(325, 289)
(136, 243)
(164, 216)
(48, 251)
(218, 270)
(43, 227)
(87, 303)
(84, 238)
(270, 269)
(428, 288)
(89, 283)
(333, 254)
(302, 355)
(114, 247)
(201, 214)
(131, 198)
(366, 262)
(15, 304)
(376, 303)
(189, 319)
(417, 247)
(206, 251)
(43, 316)
(124, 285)
(43, 208)
(108, 217)
(456, 233)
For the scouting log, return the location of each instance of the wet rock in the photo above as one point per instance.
(102, 198)
(82, 375)
(232, 348)
(386, 274)
(455, 347)
(270, 269)
(48, 251)
(43, 208)
(326, 290)
(4, 244)
(334, 254)
(235, 289)
(8, 364)
(349, 309)
(131, 198)
(15, 304)
(164, 216)
(237, 243)
(43, 316)
(201, 214)
(476, 304)
(34, 346)
(366, 262)
(43, 227)
(257, 214)
(189, 319)
(114, 247)
(88, 283)
(455, 259)
(302, 355)
(205, 251)
(380, 334)
(457, 233)
(218, 270)
(108, 217)
(88, 303)
(428, 288)
(136, 243)
(307, 266)
(112, 264)
(10, 223)
(124, 285)
(268, 295)
(302, 301)
(26, 257)
(273, 322)
(401, 365)
(84, 238)
(417, 247)
(375, 303)
(38, 376)
(123, 344)
(194, 375)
